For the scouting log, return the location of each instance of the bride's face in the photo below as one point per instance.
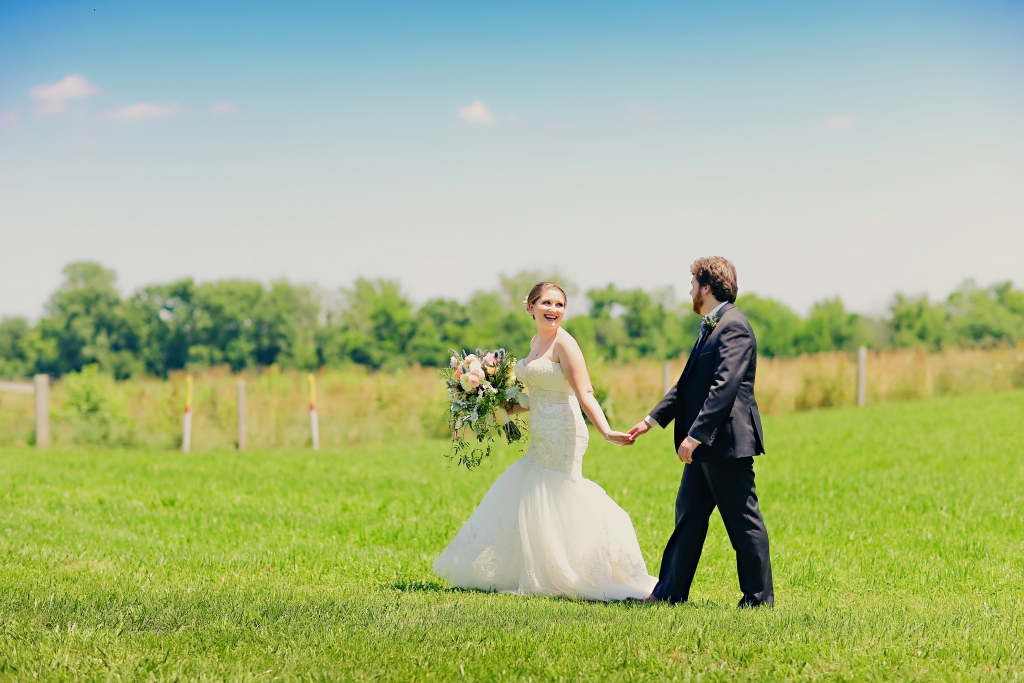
(549, 309)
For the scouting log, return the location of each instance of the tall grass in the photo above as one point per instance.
(357, 406)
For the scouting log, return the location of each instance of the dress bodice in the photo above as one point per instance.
(558, 434)
(544, 374)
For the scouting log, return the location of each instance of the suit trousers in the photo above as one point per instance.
(729, 485)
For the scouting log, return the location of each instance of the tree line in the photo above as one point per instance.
(246, 324)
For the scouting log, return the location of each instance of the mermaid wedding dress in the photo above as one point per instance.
(542, 529)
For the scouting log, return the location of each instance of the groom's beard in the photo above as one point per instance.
(698, 303)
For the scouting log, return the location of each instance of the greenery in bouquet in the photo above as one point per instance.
(480, 385)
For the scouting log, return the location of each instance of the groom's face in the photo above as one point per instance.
(696, 295)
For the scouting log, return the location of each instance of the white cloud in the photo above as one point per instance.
(53, 98)
(838, 121)
(224, 108)
(642, 112)
(140, 111)
(8, 119)
(477, 113)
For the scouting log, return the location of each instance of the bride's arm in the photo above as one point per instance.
(575, 368)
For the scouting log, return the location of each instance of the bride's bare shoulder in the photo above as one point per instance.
(567, 343)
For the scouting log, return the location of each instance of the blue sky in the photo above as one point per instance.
(851, 151)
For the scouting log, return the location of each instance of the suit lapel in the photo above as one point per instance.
(698, 347)
(690, 361)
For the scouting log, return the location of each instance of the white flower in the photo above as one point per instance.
(469, 382)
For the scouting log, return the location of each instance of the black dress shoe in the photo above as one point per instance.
(751, 602)
(649, 598)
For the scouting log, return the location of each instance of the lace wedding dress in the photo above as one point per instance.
(542, 529)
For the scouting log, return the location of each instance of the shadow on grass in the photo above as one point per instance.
(428, 587)
(438, 587)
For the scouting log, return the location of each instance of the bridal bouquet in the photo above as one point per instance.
(479, 386)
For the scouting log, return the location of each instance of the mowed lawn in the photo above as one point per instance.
(897, 538)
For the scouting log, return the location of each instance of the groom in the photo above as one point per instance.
(717, 434)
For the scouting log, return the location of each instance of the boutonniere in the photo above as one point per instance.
(710, 322)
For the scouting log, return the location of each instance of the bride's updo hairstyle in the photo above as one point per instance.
(538, 291)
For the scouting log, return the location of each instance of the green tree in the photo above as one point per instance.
(492, 324)
(221, 326)
(86, 324)
(830, 327)
(441, 325)
(17, 348)
(604, 331)
(983, 315)
(284, 326)
(373, 327)
(776, 326)
(915, 321)
(633, 323)
(165, 316)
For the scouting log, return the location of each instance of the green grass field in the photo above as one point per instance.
(897, 542)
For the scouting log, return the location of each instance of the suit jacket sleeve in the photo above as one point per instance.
(735, 349)
(665, 411)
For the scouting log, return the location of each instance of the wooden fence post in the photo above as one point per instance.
(42, 392)
(862, 376)
(243, 442)
(666, 378)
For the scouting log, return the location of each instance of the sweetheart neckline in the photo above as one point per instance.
(525, 364)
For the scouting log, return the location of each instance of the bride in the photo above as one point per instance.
(542, 529)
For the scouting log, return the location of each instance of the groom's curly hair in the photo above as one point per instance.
(719, 274)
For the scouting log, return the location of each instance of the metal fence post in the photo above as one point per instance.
(186, 429)
(862, 376)
(314, 422)
(243, 442)
(42, 392)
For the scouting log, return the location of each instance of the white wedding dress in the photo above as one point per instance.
(542, 529)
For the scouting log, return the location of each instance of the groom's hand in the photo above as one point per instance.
(641, 428)
(686, 449)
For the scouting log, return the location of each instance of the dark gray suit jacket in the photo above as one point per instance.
(713, 401)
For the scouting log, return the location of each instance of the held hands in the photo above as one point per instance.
(619, 438)
(640, 429)
(686, 448)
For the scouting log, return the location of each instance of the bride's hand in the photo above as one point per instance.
(619, 439)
